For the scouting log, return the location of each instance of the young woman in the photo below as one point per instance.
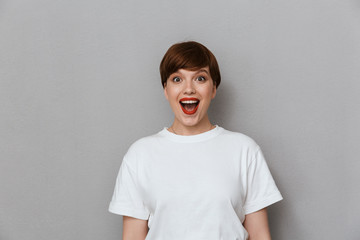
(193, 180)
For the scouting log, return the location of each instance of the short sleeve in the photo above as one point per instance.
(261, 188)
(126, 198)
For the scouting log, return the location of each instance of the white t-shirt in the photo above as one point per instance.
(197, 187)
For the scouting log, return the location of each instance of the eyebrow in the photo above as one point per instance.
(197, 72)
(202, 70)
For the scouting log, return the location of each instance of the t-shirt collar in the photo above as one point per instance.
(191, 138)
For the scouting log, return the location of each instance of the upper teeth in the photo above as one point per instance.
(189, 101)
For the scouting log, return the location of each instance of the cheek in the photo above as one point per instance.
(171, 96)
(207, 92)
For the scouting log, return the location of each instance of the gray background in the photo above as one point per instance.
(80, 83)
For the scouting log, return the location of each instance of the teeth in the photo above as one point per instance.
(189, 102)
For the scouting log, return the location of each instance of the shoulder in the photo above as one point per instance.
(141, 146)
(144, 143)
(238, 139)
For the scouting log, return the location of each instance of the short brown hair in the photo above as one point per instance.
(189, 55)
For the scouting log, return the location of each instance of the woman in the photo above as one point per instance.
(193, 180)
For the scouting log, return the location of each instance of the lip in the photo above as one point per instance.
(189, 99)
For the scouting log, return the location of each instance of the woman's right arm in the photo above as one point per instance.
(134, 228)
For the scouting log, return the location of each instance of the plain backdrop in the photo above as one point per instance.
(79, 82)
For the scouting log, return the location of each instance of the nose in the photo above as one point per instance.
(189, 87)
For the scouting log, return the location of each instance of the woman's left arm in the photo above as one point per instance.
(257, 225)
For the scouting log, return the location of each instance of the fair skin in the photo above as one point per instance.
(257, 225)
(185, 84)
(134, 228)
(189, 94)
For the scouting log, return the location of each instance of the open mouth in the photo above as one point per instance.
(189, 105)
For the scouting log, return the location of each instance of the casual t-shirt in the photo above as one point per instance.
(197, 187)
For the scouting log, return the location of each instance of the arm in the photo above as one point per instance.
(256, 224)
(134, 228)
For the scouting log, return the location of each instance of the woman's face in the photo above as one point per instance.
(189, 94)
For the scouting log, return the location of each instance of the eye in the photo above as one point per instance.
(200, 78)
(176, 79)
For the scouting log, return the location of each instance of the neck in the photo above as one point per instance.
(181, 129)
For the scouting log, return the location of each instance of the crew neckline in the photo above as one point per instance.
(191, 138)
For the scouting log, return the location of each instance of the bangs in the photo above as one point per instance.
(190, 59)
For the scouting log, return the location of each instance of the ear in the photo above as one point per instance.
(213, 92)
(165, 92)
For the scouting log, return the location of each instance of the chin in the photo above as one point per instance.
(190, 122)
